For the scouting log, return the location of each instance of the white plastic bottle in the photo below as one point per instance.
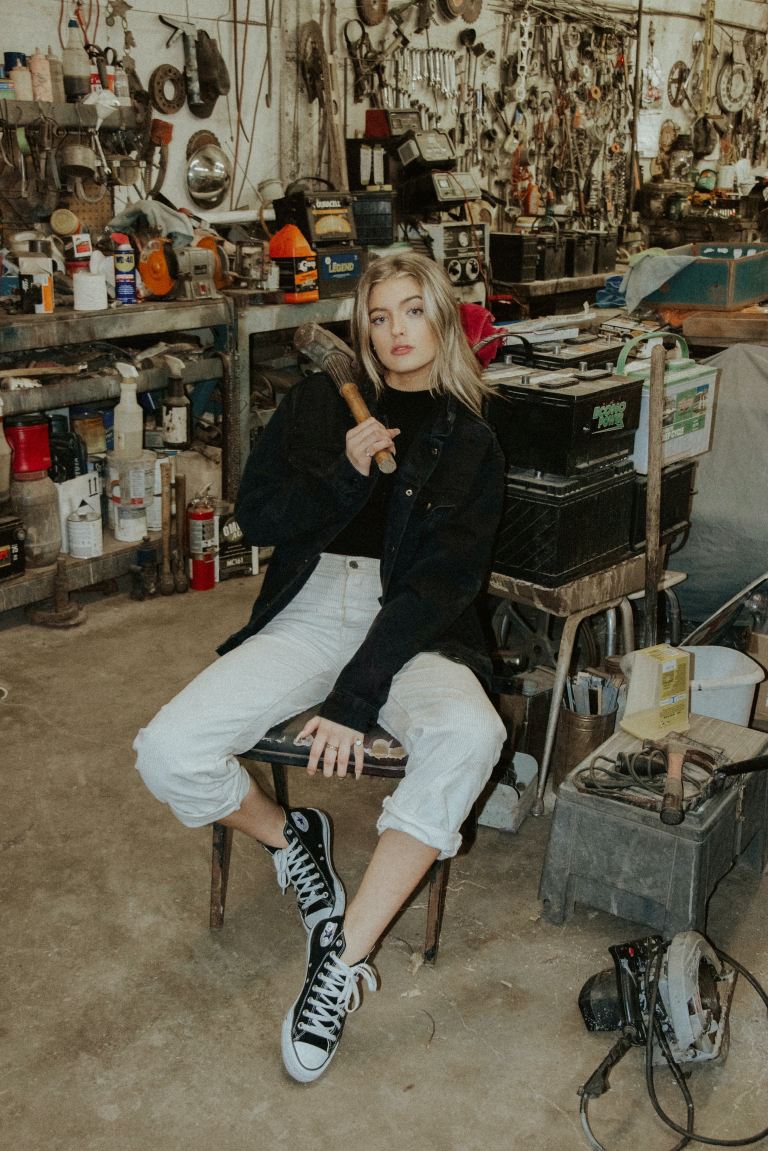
(129, 418)
(77, 66)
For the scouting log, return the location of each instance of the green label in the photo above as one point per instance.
(685, 412)
(609, 415)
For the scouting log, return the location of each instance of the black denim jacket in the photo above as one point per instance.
(299, 490)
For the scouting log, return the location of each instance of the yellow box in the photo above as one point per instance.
(657, 695)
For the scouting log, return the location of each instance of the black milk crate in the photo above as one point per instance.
(606, 250)
(551, 256)
(556, 528)
(677, 492)
(514, 257)
(566, 430)
(580, 253)
(375, 222)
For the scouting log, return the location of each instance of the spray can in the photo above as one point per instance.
(297, 264)
(202, 544)
(125, 269)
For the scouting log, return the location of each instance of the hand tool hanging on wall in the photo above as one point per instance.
(372, 12)
(319, 83)
(188, 33)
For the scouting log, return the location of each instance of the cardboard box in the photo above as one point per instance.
(657, 696)
(234, 557)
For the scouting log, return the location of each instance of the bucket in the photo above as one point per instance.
(577, 737)
(723, 683)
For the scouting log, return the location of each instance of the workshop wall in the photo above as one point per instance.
(272, 129)
(255, 149)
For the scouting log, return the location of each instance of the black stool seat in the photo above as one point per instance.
(383, 756)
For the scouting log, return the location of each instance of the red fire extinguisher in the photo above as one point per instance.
(202, 544)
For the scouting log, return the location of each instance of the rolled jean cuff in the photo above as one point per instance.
(447, 843)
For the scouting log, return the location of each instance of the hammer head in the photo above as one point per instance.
(318, 344)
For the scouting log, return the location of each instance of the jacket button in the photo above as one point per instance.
(434, 451)
(409, 491)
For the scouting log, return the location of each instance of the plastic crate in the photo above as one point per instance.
(677, 482)
(374, 214)
(555, 528)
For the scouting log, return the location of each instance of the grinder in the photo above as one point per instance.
(173, 273)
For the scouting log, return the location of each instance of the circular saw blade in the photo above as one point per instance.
(470, 10)
(372, 12)
(450, 9)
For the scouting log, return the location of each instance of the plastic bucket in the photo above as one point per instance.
(723, 683)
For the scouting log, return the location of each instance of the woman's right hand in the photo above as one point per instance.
(365, 440)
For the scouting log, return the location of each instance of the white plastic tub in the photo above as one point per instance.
(723, 683)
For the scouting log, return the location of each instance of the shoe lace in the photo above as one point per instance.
(293, 865)
(336, 993)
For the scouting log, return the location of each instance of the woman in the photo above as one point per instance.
(367, 612)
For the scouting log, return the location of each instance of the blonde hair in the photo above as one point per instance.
(455, 369)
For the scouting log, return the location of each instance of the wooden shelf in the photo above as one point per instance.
(38, 583)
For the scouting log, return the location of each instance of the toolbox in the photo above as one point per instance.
(338, 270)
(677, 492)
(622, 859)
(722, 277)
(580, 253)
(565, 430)
(375, 222)
(514, 257)
(556, 528)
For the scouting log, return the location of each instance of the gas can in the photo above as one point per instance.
(202, 545)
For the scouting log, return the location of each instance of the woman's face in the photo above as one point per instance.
(401, 337)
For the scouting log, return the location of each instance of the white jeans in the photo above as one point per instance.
(436, 708)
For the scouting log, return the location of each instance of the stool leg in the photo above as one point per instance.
(220, 857)
(281, 787)
(563, 663)
(627, 624)
(438, 885)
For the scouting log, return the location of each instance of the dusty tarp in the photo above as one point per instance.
(728, 544)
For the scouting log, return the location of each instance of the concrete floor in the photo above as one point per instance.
(128, 1025)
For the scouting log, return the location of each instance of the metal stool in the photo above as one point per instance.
(383, 756)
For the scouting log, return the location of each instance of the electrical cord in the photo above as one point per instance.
(597, 1084)
(643, 770)
(690, 1134)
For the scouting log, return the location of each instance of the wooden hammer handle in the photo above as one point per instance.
(672, 801)
(359, 409)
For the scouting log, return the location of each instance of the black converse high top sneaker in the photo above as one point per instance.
(307, 866)
(312, 1028)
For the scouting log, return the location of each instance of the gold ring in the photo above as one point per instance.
(332, 746)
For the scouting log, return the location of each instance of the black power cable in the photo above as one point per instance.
(597, 1084)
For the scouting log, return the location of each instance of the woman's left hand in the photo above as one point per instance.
(334, 743)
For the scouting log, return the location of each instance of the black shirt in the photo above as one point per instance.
(364, 536)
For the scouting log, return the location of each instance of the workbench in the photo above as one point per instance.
(539, 297)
